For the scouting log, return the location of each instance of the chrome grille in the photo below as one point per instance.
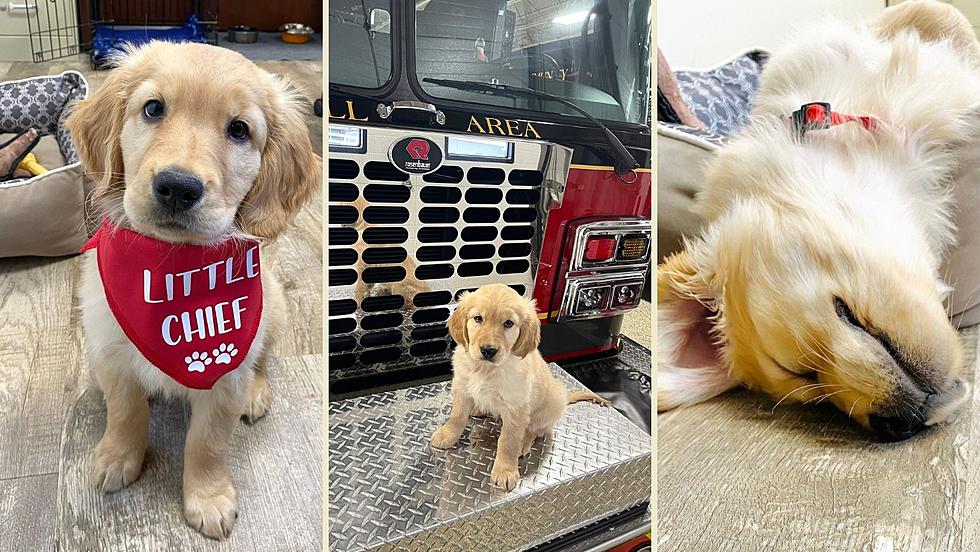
(403, 247)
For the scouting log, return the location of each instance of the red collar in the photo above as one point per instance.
(819, 116)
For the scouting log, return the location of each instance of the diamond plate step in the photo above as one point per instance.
(390, 491)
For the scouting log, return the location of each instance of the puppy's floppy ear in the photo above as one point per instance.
(690, 367)
(290, 173)
(95, 124)
(530, 336)
(457, 321)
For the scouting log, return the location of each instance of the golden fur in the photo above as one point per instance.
(817, 274)
(408, 287)
(251, 189)
(516, 385)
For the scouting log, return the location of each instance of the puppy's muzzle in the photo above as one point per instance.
(488, 352)
(937, 407)
(177, 190)
(897, 428)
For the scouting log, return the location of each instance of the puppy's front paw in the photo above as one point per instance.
(116, 465)
(504, 476)
(257, 403)
(444, 437)
(213, 515)
(528, 444)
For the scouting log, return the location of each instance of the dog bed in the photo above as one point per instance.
(719, 99)
(43, 215)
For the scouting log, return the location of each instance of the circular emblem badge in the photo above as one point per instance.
(415, 155)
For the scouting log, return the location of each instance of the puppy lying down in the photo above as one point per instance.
(198, 155)
(817, 273)
(497, 370)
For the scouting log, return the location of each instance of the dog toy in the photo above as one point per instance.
(14, 151)
(30, 164)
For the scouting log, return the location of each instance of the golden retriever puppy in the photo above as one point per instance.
(190, 145)
(817, 273)
(497, 370)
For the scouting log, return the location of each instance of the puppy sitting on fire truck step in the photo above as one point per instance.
(498, 370)
(197, 154)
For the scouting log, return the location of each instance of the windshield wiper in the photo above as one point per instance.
(624, 160)
(341, 91)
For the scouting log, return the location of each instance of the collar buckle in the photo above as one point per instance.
(811, 116)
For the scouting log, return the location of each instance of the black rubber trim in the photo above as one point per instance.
(589, 531)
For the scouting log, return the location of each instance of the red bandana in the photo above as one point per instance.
(192, 310)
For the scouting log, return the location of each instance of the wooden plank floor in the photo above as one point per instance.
(734, 474)
(51, 410)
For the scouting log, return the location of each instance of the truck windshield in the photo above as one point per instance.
(593, 53)
(360, 42)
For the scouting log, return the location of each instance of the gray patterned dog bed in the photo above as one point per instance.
(721, 98)
(40, 103)
(43, 215)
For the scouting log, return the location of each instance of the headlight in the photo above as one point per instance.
(592, 299)
(468, 149)
(626, 296)
(343, 138)
(601, 295)
(607, 266)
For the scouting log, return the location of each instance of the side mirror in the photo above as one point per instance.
(379, 21)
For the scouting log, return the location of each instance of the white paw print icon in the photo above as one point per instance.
(224, 353)
(197, 361)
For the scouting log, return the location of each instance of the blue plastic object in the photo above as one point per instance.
(107, 39)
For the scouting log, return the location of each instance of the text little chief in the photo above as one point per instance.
(210, 320)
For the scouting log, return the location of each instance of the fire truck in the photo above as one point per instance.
(474, 142)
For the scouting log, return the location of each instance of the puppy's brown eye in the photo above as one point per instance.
(478, 319)
(238, 131)
(153, 110)
(508, 323)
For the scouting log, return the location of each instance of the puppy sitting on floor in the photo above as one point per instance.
(197, 155)
(497, 370)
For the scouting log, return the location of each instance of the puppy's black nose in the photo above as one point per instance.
(895, 428)
(177, 190)
(488, 352)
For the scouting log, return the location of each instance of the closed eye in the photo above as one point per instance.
(846, 314)
(903, 360)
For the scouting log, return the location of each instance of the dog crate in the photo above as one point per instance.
(114, 24)
(39, 30)
(403, 248)
(53, 29)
